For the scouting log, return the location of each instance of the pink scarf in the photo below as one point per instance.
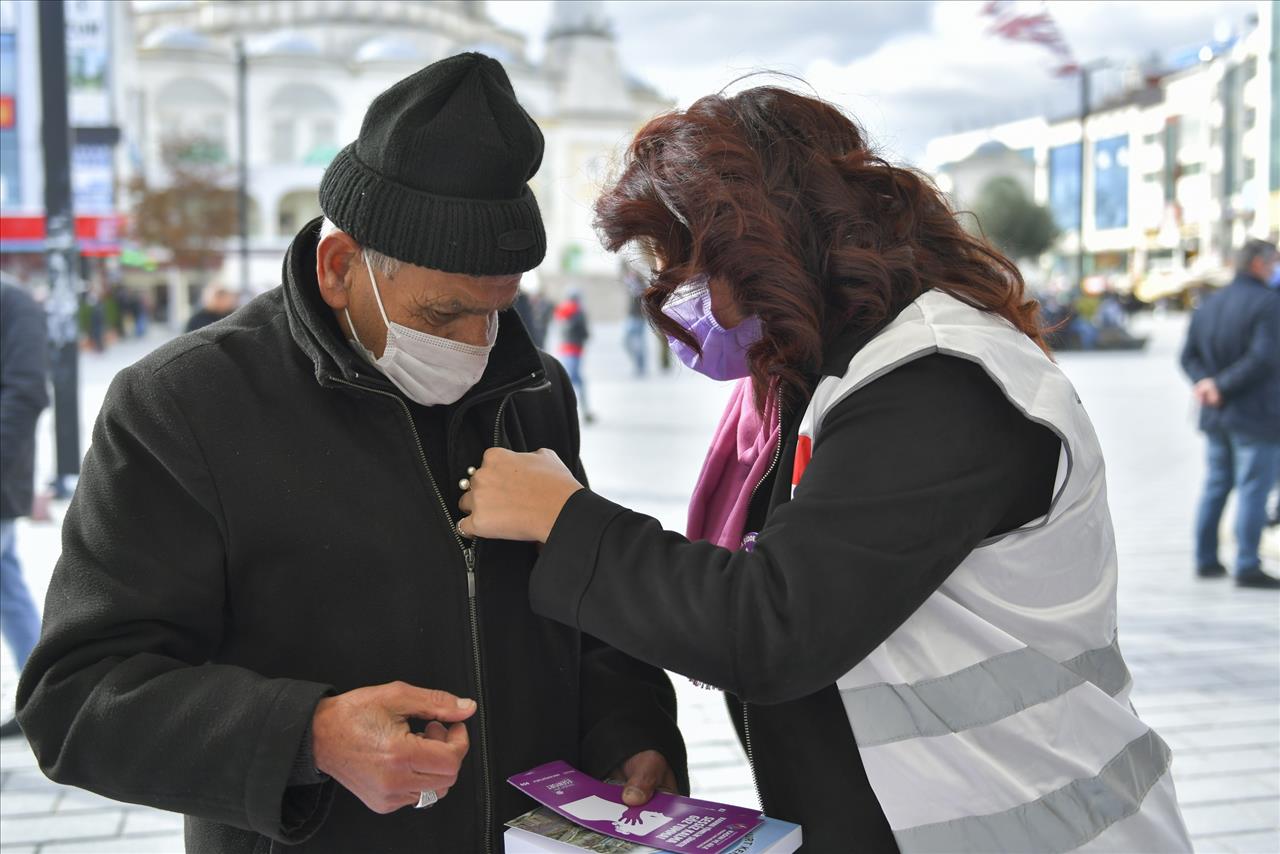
(740, 455)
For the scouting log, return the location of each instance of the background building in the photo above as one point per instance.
(97, 41)
(313, 68)
(1181, 167)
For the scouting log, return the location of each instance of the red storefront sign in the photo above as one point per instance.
(97, 236)
(6, 112)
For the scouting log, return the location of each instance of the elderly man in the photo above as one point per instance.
(1232, 354)
(264, 616)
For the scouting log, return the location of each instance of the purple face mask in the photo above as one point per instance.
(724, 351)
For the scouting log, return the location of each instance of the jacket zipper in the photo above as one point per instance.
(469, 558)
(473, 612)
(777, 457)
(746, 710)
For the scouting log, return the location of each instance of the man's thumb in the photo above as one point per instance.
(431, 704)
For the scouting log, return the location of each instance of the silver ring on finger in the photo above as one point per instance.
(426, 799)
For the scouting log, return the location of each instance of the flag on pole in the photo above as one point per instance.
(1013, 21)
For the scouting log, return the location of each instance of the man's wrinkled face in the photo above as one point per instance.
(447, 305)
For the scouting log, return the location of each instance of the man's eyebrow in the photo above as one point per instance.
(450, 305)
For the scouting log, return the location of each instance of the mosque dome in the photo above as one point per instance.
(390, 49)
(285, 43)
(177, 38)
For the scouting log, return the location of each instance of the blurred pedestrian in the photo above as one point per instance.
(575, 329)
(534, 309)
(216, 302)
(635, 332)
(141, 313)
(263, 616)
(97, 317)
(23, 394)
(1232, 354)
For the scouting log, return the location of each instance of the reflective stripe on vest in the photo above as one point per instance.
(996, 717)
(987, 691)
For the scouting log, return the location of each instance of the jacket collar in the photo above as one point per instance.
(1243, 278)
(514, 360)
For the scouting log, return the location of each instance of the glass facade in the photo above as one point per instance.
(1111, 183)
(1064, 185)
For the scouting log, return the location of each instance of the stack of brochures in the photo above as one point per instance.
(580, 813)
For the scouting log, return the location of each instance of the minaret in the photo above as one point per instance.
(583, 59)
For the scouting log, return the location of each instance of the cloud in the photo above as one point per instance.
(957, 76)
(908, 71)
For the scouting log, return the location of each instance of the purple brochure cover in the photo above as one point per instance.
(669, 822)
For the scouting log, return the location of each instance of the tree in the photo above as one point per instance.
(1012, 221)
(194, 212)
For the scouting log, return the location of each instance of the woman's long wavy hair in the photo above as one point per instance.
(779, 195)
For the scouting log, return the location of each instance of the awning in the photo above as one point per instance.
(97, 235)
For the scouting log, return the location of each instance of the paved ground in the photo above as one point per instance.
(1205, 656)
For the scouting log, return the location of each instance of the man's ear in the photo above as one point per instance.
(334, 256)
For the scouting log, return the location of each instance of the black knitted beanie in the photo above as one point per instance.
(439, 175)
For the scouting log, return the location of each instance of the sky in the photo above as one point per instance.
(908, 71)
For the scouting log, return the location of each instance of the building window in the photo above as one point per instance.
(213, 132)
(287, 221)
(1250, 118)
(1250, 169)
(1250, 68)
(282, 141)
(1064, 185)
(324, 133)
(1111, 183)
(1186, 170)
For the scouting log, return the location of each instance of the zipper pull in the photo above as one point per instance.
(469, 556)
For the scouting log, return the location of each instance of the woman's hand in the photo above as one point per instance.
(516, 496)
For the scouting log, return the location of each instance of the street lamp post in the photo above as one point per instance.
(242, 123)
(61, 255)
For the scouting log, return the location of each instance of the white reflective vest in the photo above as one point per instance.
(997, 717)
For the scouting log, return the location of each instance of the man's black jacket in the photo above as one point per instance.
(1235, 339)
(257, 525)
(22, 396)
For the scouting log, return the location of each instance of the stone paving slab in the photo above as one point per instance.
(1204, 655)
(165, 843)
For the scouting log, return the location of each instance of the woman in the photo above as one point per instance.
(900, 564)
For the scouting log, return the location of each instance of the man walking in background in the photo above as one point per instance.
(217, 302)
(1232, 354)
(23, 395)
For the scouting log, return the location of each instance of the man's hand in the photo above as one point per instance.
(645, 772)
(362, 740)
(516, 496)
(1206, 393)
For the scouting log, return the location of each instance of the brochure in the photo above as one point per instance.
(541, 831)
(667, 822)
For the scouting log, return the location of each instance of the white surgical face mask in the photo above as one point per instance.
(429, 370)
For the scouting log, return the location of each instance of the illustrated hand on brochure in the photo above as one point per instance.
(668, 822)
